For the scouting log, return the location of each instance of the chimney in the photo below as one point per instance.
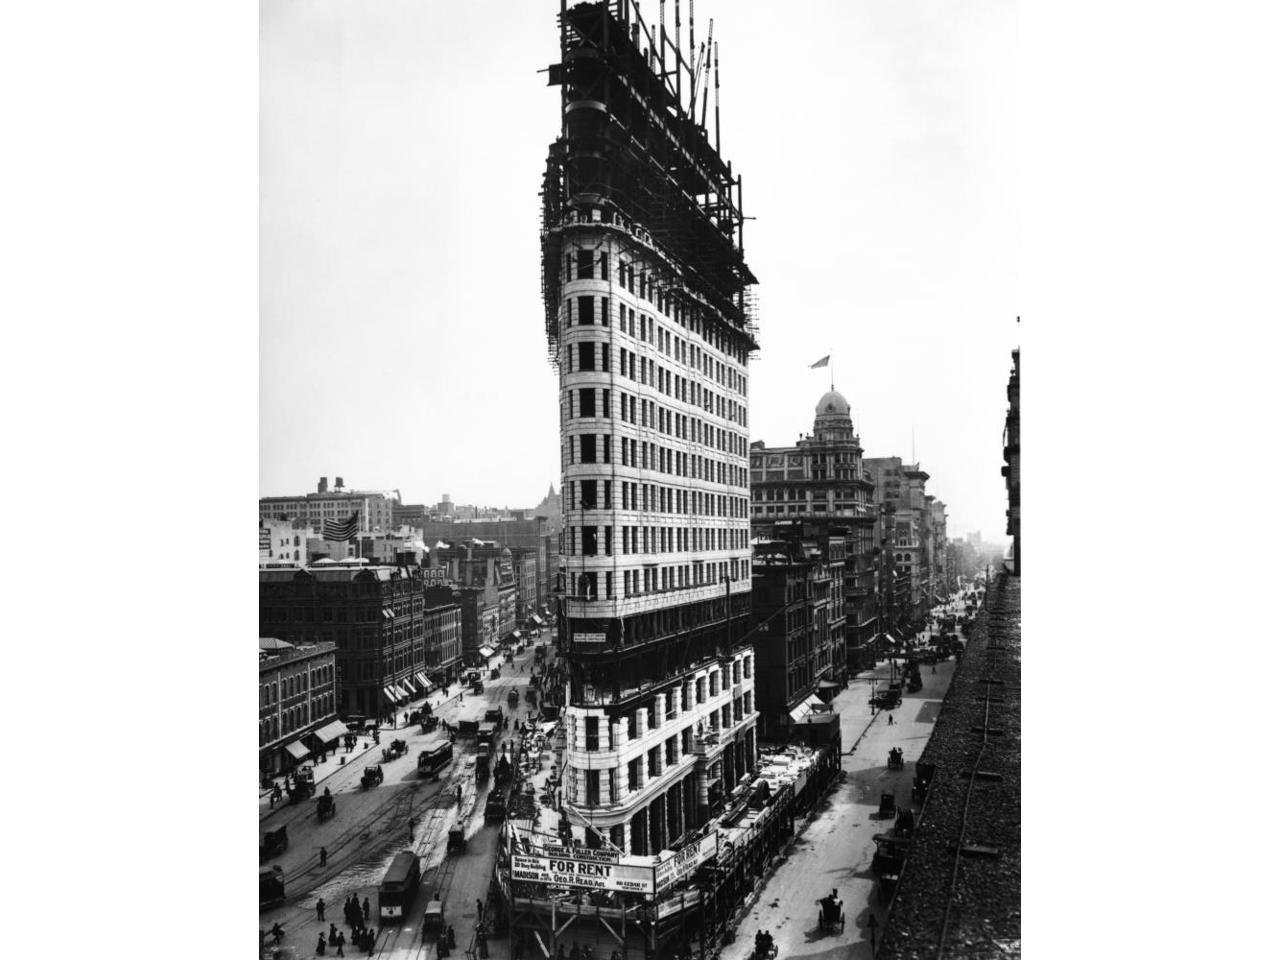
(324, 485)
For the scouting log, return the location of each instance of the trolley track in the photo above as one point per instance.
(374, 837)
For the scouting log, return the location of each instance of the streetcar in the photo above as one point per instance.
(399, 886)
(270, 887)
(435, 757)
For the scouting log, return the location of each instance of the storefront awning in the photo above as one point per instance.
(828, 685)
(388, 613)
(297, 750)
(422, 679)
(538, 621)
(392, 694)
(486, 651)
(331, 731)
(406, 688)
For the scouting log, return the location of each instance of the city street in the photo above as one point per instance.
(371, 826)
(835, 849)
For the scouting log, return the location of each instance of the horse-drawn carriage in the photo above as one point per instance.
(433, 919)
(831, 913)
(372, 776)
(513, 699)
(457, 839)
(890, 855)
(920, 785)
(888, 805)
(502, 771)
(326, 807)
(905, 825)
(274, 843)
(495, 807)
(887, 699)
(302, 785)
(896, 761)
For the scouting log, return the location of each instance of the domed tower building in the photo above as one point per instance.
(650, 325)
(817, 494)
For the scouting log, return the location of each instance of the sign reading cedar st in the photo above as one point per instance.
(584, 874)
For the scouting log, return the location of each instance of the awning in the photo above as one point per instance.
(388, 613)
(516, 635)
(422, 679)
(392, 694)
(297, 750)
(486, 651)
(538, 621)
(828, 685)
(811, 702)
(331, 731)
(406, 689)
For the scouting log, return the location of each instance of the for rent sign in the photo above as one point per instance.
(584, 874)
(677, 866)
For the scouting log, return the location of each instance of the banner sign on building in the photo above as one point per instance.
(633, 876)
(588, 638)
(678, 866)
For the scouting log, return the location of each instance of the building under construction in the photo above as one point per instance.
(650, 322)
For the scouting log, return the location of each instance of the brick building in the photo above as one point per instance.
(373, 615)
(297, 702)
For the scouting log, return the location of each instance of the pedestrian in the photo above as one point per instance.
(441, 949)
(320, 909)
(366, 909)
(891, 719)
(273, 799)
(324, 856)
(459, 794)
(333, 933)
(479, 909)
(482, 944)
(277, 932)
(342, 939)
(453, 944)
(320, 946)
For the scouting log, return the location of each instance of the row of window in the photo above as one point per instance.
(285, 688)
(585, 263)
(587, 541)
(587, 448)
(590, 356)
(658, 579)
(651, 498)
(842, 494)
(596, 402)
(293, 719)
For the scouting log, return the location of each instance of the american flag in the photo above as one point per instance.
(342, 529)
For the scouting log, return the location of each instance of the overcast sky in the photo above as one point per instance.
(402, 144)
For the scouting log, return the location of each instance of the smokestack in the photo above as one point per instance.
(324, 485)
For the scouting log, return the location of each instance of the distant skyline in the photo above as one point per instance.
(402, 142)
